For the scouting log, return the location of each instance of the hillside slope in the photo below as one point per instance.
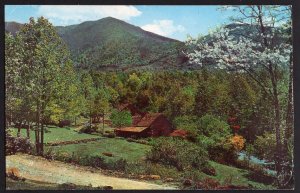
(112, 44)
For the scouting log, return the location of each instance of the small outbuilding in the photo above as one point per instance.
(179, 133)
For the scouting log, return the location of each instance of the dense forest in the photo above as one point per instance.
(239, 97)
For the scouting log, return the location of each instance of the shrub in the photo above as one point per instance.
(71, 186)
(87, 128)
(109, 134)
(214, 135)
(209, 170)
(130, 140)
(177, 152)
(64, 123)
(119, 165)
(149, 168)
(17, 144)
(96, 161)
(121, 118)
(208, 184)
(238, 142)
(265, 146)
(49, 154)
(213, 127)
(223, 152)
(189, 124)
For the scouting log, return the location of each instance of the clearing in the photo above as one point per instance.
(120, 148)
(57, 134)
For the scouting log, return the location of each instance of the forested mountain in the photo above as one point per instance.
(112, 44)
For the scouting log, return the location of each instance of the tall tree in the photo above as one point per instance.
(259, 49)
(45, 58)
(88, 90)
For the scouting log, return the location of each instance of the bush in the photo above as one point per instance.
(71, 186)
(93, 161)
(209, 170)
(213, 127)
(87, 128)
(119, 165)
(109, 134)
(214, 135)
(178, 152)
(17, 144)
(149, 168)
(223, 152)
(189, 124)
(64, 123)
(121, 118)
(208, 184)
(238, 142)
(265, 146)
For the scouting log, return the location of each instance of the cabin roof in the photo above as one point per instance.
(148, 119)
(132, 129)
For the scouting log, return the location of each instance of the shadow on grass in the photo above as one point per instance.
(260, 177)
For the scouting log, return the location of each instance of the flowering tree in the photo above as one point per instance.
(259, 41)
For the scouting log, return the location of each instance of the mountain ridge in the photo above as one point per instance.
(114, 44)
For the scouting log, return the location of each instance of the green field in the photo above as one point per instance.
(120, 148)
(57, 134)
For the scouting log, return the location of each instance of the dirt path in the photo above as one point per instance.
(40, 169)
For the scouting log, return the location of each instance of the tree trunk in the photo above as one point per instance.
(43, 105)
(90, 116)
(103, 123)
(19, 131)
(278, 153)
(290, 109)
(287, 160)
(42, 139)
(28, 130)
(37, 131)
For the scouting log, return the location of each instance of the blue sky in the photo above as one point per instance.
(171, 21)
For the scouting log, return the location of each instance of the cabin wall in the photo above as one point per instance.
(160, 127)
(144, 133)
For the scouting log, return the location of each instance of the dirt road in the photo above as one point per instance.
(40, 169)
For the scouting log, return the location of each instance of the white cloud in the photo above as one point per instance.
(163, 27)
(74, 14)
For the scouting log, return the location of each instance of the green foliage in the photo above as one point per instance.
(213, 128)
(113, 44)
(187, 123)
(265, 146)
(250, 150)
(121, 118)
(179, 153)
(214, 134)
(87, 128)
